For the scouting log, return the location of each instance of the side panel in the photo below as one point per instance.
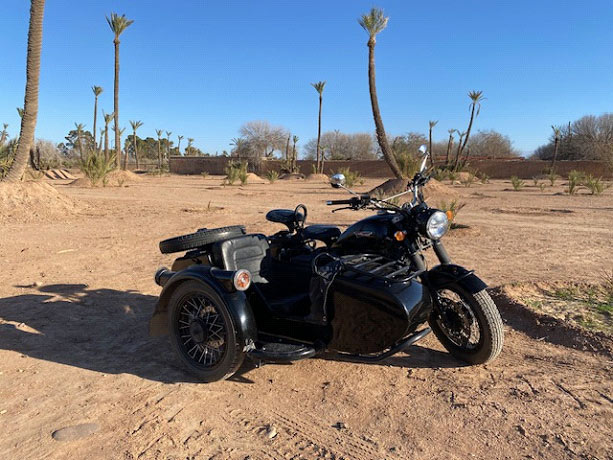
(372, 316)
(235, 301)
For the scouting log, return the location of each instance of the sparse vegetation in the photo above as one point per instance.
(535, 180)
(517, 183)
(575, 179)
(236, 171)
(552, 176)
(96, 168)
(351, 177)
(468, 179)
(483, 177)
(452, 207)
(542, 187)
(594, 184)
(272, 176)
(204, 174)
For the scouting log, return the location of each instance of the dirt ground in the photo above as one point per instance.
(76, 294)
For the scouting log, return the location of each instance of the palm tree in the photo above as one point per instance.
(28, 121)
(374, 22)
(188, 149)
(458, 152)
(449, 146)
(168, 133)
(118, 25)
(20, 112)
(135, 125)
(294, 167)
(431, 124)
(4, 134)
(179, 144)
(556, 133)
(80, 128)
(97, 90)
(121, 131)
(319, 87)
(159, 133)
(108, 117)
(475, 107)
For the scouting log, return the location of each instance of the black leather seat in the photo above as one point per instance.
(285, 217)
(326, 233)
(248, 252)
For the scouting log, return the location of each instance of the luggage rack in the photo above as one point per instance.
(379, 267)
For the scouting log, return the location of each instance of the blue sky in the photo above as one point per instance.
(201, 68)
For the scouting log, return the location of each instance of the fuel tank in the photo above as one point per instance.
(371, 235)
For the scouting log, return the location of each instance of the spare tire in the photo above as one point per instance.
(201, 238)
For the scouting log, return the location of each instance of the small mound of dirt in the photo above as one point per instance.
(318, 178)
(33, 201)
(434, 190)
(532, 211)
(291, 176)
(255, 179)
(55, 174)
(115, 178)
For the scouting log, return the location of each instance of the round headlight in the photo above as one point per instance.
(437, 225)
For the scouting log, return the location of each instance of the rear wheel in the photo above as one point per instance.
(203, 332)
(200, 238)
(468, 325)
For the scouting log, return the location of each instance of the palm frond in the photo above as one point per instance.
(118, 24)
(374, 22)
(97, 90)
(319, 86)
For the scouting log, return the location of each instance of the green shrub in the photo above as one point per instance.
(517, 183)
(408, 164)
(272, 176)
(204, 174)
(552, 176)
(484, 178)
(96, 168)
(440, 174)
(351, 177)
(453, 176)
(236, 171)
(595, 184)
(536, 181)
(455, 206)
(575, 178)
(542, 187)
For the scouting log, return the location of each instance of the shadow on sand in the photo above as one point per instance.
(106, 330)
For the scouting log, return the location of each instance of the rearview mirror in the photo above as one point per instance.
(423, 149)
(338, 180)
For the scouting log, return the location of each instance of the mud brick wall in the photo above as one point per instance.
(496, 169)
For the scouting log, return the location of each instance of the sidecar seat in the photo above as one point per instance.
(248, 252)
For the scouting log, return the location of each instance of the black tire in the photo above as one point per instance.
(200, 238)
(227, 356)
(488, 321)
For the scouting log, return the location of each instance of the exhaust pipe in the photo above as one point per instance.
(162, 276)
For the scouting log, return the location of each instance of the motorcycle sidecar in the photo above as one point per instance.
(370, 309)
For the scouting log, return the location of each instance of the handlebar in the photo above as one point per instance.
(351, 201)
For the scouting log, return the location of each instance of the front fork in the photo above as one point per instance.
(418, 260)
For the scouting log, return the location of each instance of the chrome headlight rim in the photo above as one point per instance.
(437, 225)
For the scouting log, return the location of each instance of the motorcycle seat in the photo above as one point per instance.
(284, 216)
(326, 233)
(249, 252)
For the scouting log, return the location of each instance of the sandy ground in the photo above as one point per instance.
(76, 294)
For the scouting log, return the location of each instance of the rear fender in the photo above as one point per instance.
(236, 301)
(443, 275)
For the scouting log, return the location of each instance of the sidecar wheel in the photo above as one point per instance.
(468, 325)
(203, 332)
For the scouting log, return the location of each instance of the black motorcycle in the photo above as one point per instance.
(361, 295)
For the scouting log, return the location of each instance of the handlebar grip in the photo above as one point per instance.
(337, 202)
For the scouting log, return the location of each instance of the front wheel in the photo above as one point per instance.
(468, 325)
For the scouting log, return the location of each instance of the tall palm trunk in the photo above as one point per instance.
(159, 154)
(30, 106)
(376, 113)
(106, 142)
(470, 125)
(135, 149)
(116, 107)
(555, 152)
(449, 147)
(287, 150)
(458, 152)
(318, 167)
(95, 120)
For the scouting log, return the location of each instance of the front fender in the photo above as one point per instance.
(236, 302)
(443, 275)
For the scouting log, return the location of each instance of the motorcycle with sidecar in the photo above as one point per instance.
(363, 294)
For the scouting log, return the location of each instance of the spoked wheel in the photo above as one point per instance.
(203, 332)
(468, 325)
